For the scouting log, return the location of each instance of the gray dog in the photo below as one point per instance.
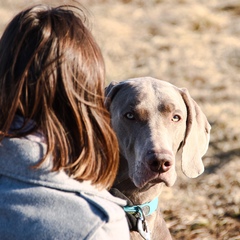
(154, 122)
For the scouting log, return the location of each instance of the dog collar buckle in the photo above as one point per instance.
(142, 226)
(140, 212)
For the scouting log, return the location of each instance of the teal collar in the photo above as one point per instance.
(146, 208)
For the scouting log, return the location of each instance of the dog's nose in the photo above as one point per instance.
(158, 162)
(159, 165)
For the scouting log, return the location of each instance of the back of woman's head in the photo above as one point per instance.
(52, 72)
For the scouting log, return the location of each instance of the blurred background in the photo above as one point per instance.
(193, 44)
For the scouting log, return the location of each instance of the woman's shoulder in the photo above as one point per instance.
(102, 199)
(115, 225)
(48, 198)
(81, 213)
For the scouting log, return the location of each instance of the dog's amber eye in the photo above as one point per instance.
(129, 115)
(176, 118)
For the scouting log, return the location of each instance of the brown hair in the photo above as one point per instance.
(52, 72)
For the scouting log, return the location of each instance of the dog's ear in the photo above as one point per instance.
(196, 139)
(110, 92)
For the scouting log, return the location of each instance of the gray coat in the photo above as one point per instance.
(40, 204)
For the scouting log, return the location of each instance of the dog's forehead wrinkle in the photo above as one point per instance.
(171, 101)
(156, 92)
(166, 107)
(146, 91)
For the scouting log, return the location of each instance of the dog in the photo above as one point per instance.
(155, 123)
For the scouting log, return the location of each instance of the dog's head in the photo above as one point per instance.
(154, 120)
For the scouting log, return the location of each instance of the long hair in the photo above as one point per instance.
(52, 72)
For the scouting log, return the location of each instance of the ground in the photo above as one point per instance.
(193, 44)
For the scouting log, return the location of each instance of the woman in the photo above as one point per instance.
(58, 154)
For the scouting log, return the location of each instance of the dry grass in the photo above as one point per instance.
(193, 44)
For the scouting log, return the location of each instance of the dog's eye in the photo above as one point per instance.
(176, 118)
(129, 115)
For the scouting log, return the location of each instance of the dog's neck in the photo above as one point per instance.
(138, 196)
